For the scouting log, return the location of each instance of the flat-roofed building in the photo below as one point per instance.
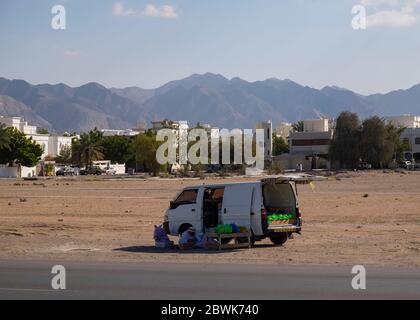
(406, 121)
(19, 124)
(411, 134)
(50, 144)
(121, 132)
(314, 140)
(283, 130)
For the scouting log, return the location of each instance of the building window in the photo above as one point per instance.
(417, 141)
(310, 142)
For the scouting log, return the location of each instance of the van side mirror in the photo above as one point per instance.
(172, 205)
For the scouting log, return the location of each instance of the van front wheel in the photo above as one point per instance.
(279, 240)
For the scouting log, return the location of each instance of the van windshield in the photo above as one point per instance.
(186, 197)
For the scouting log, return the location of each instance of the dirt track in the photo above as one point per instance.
(361, 218)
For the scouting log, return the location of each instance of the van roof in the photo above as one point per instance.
(219, 185)
(305, 178)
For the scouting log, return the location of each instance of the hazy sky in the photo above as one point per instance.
(147, 43)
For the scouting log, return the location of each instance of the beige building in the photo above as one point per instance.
(283, 130)
(316, 125)
(314, 141)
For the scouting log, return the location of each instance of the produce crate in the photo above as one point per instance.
(234, 236)
(283, 222)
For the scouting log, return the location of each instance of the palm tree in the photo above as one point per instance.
(298, 126)
(87, 149)
(4, 137)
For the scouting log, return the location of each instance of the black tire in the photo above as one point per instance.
(280, 239)
(184, 228)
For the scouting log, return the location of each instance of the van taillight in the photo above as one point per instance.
(264, 217)
(298, 213)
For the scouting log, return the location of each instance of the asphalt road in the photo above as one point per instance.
(32, 280)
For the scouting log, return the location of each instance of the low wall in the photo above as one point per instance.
(13, 172)
(9, 172)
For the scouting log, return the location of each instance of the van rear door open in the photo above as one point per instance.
(301, 178)
(237, 203)
(281, 202)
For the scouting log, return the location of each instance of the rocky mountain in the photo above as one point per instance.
(69, 109)
(12, 108)
(208, 98)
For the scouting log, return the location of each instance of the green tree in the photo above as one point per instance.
(88, 148)
(42, 131)
(376, 148)
(298, 126)
(118, 149)
(145, 147)
(4, 137)
(21, 150)
(65, 156)
(279, 146)
(345, 146)
(393, 138)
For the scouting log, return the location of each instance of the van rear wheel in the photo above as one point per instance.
(280, 239)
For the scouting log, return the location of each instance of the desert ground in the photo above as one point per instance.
(370, 218)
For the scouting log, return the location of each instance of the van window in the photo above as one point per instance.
(186, 197)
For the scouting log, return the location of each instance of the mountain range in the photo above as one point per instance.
(208, 98)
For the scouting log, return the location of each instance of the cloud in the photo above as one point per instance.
(120, 11)
(165, 11)
(72, 53)
(392, 13)
(391, 18)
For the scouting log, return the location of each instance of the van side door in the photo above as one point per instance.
(237, 205)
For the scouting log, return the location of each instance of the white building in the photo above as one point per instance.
(267, 126)
(50, 144)
(406, 121)
(411, 134)
(19, 124)
(314, 141)
(169, 124)
(316, 125)
(122, 132)
(43, 140)
(58, 143)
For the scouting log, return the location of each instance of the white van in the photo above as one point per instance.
(248, 204)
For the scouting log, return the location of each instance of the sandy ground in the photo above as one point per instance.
(370, 218)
